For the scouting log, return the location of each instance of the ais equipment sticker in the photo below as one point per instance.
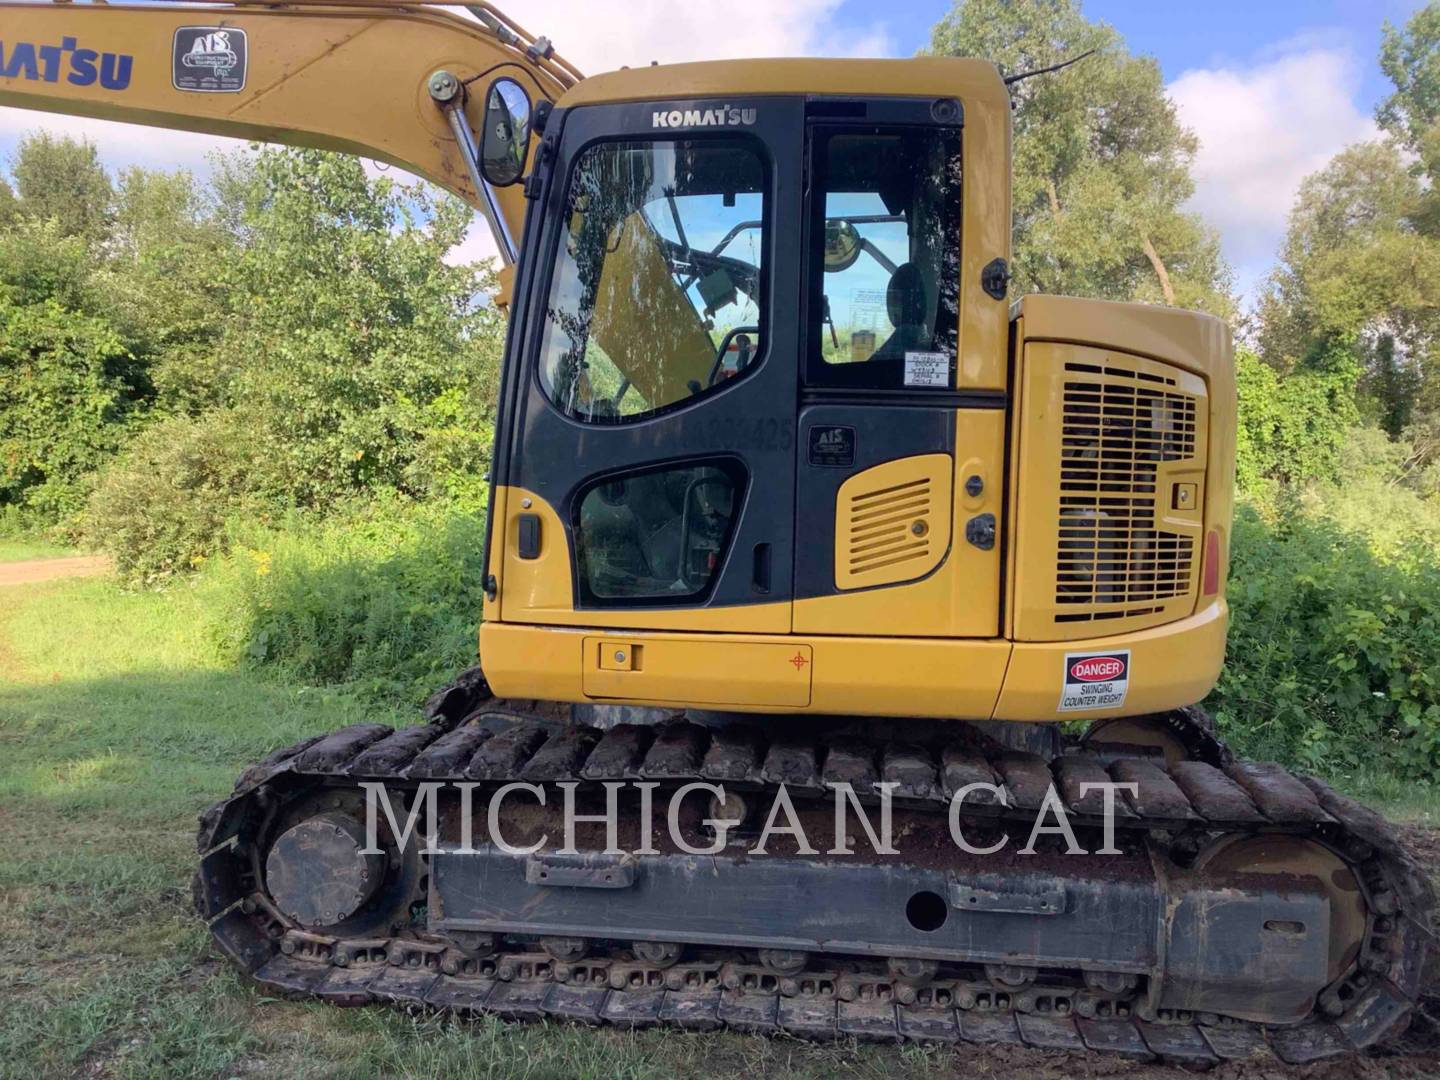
(210, 59)
(1095, 681)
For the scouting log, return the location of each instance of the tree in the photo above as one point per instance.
(8, 206)
(165, 283)
(60, 179)
(67, 390)
(1410, 59)
(1102, 162)
(367, 357)
(1360, 266)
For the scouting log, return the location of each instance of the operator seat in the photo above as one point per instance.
(908, 309)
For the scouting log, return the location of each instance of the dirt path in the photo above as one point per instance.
(33, 570)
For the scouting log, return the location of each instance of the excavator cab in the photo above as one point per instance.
(771, 431)
(679, 403)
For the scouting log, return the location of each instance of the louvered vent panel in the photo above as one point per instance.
(893, 521)
(1120, 424)
(885, 526)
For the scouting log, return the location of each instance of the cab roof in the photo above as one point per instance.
(972, 81)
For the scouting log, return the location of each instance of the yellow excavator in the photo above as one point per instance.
(789, 499)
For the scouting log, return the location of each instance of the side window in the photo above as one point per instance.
(885, 256)
(656, 297)
(657, 535)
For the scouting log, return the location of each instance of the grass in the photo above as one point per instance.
(117, 726)
(16, 548)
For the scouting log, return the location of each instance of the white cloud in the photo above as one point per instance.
(1263, 127)
(600, 36)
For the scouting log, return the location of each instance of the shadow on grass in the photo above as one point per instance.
(156, 746)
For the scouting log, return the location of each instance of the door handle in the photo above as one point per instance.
(760, 572)
(529, 546)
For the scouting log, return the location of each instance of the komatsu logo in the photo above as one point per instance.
(80, 67)
(722, 116)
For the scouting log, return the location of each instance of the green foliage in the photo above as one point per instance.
(8, 207)
(384, 598)
(162, 506)
(360, 340)
(1293, 427)
(293, 292)
(1102, 163)
(162, 282)
(1410, 59)
(1361, 261)
(38, 263)
(67, 391)
(1334, 647)
(61, 180)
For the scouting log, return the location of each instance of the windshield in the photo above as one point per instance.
(656, 293)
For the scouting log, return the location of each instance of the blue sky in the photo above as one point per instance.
(1184, 35)
(1273, 88)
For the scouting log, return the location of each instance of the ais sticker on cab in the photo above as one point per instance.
(1095, 681)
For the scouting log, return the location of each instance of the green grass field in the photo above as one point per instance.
(14, 549)
(115, 731)
(116, 728)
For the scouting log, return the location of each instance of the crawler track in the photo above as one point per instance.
(1178, 810)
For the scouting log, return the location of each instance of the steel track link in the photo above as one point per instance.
(1370, 1005)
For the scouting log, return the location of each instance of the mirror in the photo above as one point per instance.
(842, 245)
(506, 135)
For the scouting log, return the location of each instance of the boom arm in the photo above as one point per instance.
(346, 75)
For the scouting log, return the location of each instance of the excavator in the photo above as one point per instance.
(789, 498)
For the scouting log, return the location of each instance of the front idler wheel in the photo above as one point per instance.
(319, 873)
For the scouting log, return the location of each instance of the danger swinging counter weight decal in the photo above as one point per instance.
(1095, 681)
(210, 59)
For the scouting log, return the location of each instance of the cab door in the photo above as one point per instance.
(899, 470)
(649, 480)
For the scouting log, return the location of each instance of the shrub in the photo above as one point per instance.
(1291, 428)
(1334, 648)
(384, 598)
(67, 393)
(162, 507)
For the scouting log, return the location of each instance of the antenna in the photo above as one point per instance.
(1011, 80)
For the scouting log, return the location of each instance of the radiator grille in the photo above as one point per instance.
(1119, 425)
(890, 526)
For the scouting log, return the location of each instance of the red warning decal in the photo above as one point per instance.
(1095, 681)
(1097, 669)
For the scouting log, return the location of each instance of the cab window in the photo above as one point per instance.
(656, 296)
(884, 258)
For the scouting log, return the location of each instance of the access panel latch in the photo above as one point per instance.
(980, 531)
(995, 278)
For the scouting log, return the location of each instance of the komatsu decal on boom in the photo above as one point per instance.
(787, 500)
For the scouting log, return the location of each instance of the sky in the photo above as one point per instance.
(1272, 88)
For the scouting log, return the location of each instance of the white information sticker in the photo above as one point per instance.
(1095, 681)
(927, 369)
